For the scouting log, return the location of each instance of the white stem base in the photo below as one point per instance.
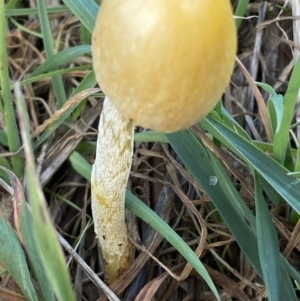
(109, 179)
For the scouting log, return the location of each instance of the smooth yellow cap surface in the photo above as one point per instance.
(164, 63)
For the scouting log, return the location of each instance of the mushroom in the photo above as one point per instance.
(163, 65)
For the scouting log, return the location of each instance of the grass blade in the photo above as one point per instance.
(6, 105)
(24, 226)
(85, 10)
(150, 136)
(13, 258)
(88, 82)
(62, 58)
(80, 165)
(53, 73)
(267, 245)
(49, 47)
(34, 255)
(281, 138)
(14, 12)
(240, 11)
(49, 247)
(203, 164)
(288, 186)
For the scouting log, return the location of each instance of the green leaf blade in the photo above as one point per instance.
(85, 10)
(6, 100)
(48, 245)
(33, 253)
(267, 245)
(61, 58)
(49, 47)
(288, 186)
(13, 258)
(223, 194)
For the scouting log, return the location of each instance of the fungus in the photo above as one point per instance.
(163, 65)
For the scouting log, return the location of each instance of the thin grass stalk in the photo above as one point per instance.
(240, 11)
(296, 36)
(7, 106)
(13, 12)
(58, 85)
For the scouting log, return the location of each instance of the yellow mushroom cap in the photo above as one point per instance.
(164, 63)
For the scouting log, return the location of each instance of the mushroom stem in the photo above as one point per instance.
(109, 179)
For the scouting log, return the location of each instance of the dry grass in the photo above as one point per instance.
(157, 177)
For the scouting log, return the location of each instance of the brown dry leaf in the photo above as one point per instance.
(260, 101)
(148, 291)
(229, 286)
(8, 295)
(72, 102)
(18, 199)
(6, 206)
(64, 146)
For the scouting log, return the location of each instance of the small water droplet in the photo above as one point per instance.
(213, 180)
